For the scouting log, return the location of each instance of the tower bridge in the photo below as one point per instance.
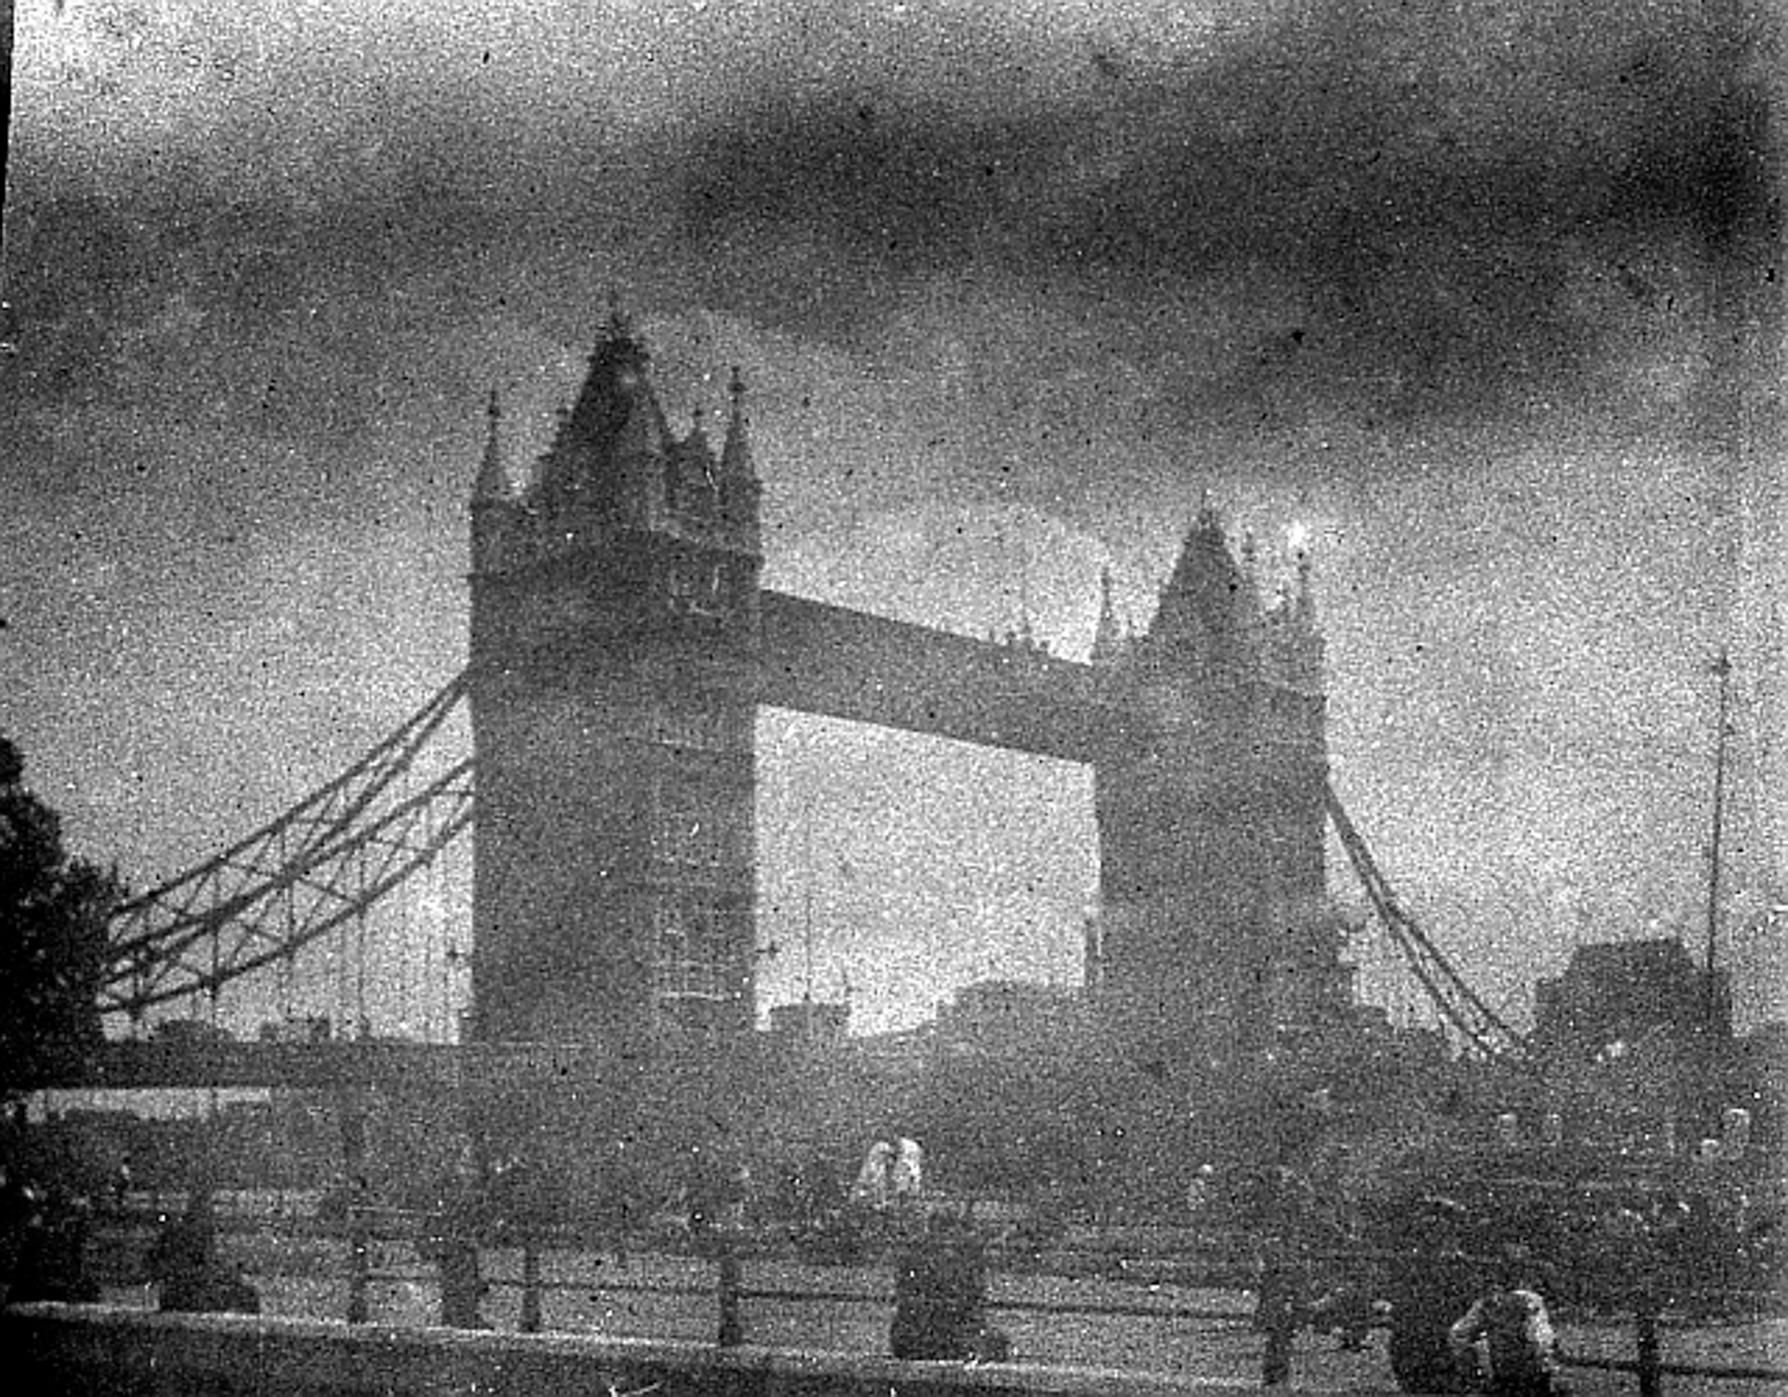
(621, 646)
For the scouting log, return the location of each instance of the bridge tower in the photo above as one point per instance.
(1214, 929)
(613, 633)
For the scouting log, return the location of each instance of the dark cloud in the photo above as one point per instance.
(1427, 183)
(1405, 203)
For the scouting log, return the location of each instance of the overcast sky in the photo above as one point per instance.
(1484, 294)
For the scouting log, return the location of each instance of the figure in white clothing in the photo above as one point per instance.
(1510, 1328)
(906, 1177)
(874, 1181)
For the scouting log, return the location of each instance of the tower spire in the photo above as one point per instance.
(1107, 639)
(1306, 591)
(493, 479)
(620, 325)
(735, 455)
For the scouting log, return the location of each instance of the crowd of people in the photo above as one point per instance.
(44, 1229)
(1464, 1311)
(1463, 1307)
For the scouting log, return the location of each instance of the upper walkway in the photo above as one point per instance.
(837, 663)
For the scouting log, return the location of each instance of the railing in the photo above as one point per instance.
(351, 1252)
(70, 1351)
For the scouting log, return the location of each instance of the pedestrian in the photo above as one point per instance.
(18, 1200)
(1431, 1285)
(184, 1265)
(1344, 1309)
(871, 1189)
(1279, 1299)
(184, 1253)
(1198, 1194)
(906, 1175)
(1507, 1336)
(51, 1263)
(1281, 1207)
(456, 1256)
(459, 1220)
(940, 1297)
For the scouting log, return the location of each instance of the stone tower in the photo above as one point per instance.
(1212, 881)
(614, 625)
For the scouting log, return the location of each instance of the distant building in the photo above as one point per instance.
(1004, 1016)
(189, 1032)
(809, 1025)
(897, 1055)
(1616, 995)
(306, 1028)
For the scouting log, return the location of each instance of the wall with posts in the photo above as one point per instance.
(101, 1351)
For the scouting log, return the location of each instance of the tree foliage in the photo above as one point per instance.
(53, 948)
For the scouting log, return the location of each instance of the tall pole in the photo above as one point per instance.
(9, 331)
(1722, 669)
(807, 929)
(6, 35)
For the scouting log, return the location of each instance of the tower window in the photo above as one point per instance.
(691, 950)
(698, 586)
(696, 729)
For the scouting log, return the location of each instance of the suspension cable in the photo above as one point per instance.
(1460, 1005)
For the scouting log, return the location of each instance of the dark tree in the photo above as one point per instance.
(53, 948)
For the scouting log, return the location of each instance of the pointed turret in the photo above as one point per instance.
(492, 485)
(740, 489)
(1204, 628)
(1249, 610)
(1296, 640)
(1199, 600)
(1108, 641)
(693, 481)
(500, 524)
(607, 448)
(735, 456)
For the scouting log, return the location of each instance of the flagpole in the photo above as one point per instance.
(807, 926)
(1722, 668)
